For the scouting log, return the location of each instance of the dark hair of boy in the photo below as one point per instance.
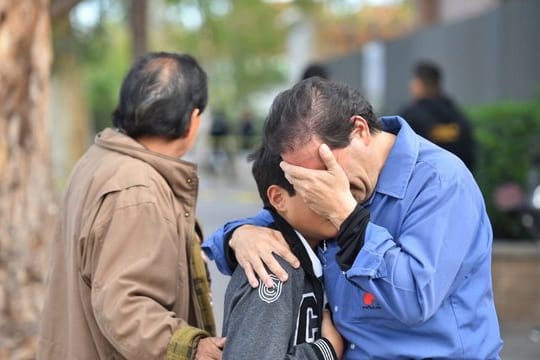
(266, 172)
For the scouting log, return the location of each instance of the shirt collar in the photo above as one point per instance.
(316, 263)
(400, 163)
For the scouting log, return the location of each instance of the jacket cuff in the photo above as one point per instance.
(229, 252)
(324, 349)
(183, 343)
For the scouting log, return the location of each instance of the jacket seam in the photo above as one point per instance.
(451, 299)
(104, 222)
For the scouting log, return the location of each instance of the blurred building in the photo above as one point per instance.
(340, 33)
(488, 50)
(431, 12)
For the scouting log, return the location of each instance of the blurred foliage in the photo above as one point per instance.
(345, 31)
(102, 51)
(105, 72)
(240, 43)
(508, 136)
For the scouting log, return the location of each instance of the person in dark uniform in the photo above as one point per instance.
(434, 116)
(286, 321)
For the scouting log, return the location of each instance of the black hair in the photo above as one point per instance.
(316, 107)
(315, 69)
(266, 172)
(430, 75)
(159, 94)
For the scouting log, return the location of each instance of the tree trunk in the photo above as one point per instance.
(69, 115)
(139, 29)
(26, 195)
(427, 12)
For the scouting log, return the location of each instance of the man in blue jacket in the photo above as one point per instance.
(409, 273)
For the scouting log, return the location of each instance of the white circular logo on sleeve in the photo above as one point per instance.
(269, 295)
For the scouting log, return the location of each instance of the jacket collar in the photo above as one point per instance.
(295, 243)
(317, 266)
(181, 175)
(399, 166)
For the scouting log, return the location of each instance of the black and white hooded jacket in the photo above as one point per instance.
(283, 322)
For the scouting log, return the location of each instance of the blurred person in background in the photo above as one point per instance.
(222, 161)
(247, 130)
(315, 69)
(433, 115)
(219, 132)
(127, 279)
(408, 275)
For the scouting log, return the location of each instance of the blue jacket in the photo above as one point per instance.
(420, 287)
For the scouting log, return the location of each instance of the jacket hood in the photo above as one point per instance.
(181, 175)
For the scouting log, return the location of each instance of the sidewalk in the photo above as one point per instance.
(517, 345)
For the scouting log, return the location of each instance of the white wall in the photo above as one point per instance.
(456, 10)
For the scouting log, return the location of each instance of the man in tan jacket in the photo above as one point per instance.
(127, 279)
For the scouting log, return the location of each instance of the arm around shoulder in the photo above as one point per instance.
(215, 245)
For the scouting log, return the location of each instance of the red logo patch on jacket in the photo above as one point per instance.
(369, 298)
(369, 301)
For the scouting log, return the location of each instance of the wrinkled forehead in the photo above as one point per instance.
(306, 155)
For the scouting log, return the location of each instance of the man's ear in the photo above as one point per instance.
(194, 124)
(361, 127)
(277, 197)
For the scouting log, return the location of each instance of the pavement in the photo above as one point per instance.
(229, 195)
(517, 342)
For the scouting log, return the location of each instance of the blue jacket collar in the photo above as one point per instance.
(400, 163)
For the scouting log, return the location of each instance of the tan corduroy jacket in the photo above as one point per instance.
(120, 285)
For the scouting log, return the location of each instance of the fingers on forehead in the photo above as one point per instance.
(297, 170)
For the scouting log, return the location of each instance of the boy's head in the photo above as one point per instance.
(278, 194)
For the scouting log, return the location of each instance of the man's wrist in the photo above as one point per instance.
(195, 345)
(344, 213)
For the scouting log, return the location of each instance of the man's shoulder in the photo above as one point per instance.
(122, 179)
(118, 172)
(436, 165)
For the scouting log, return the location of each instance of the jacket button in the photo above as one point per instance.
(186, 214)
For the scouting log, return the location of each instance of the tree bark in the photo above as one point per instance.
(27, 203)
(427, 12)
(139, 29)
(60, 8)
